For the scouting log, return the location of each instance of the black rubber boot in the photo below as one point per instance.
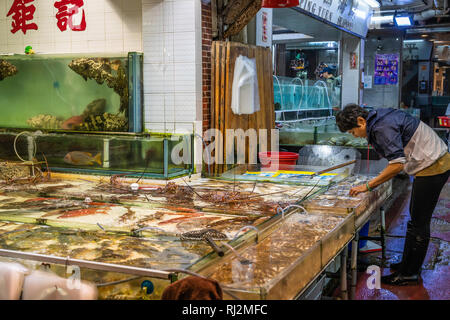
(395, 266)
(397, 279)
(416, 246)
(414, 252)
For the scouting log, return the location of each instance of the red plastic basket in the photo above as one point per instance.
(284, 160)
(444, 122)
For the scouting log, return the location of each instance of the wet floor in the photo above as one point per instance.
(435, 284)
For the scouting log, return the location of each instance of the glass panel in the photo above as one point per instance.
(101, 154)
(64, 92)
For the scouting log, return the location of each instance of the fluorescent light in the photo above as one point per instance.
(403, 21)
(359, 13)
(382, 19)
(290, 36)
(372, 3)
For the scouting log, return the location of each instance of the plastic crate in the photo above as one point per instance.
(444, 122)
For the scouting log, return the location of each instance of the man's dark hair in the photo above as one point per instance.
(347, 119)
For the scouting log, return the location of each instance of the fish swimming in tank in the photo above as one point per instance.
(72, 122)
(81, 158)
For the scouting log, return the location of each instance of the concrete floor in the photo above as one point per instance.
(436, 267)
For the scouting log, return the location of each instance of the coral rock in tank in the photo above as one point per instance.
(12, 170)
(101, 70)
(45, 121)
(7, 69)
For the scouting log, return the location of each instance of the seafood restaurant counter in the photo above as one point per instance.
(274, 238)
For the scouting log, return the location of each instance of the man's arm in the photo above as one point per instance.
(388, 173)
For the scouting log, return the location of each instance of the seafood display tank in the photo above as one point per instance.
(131, 234)
(72, 93)
(146, 155)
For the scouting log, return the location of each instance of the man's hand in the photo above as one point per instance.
(358, 189)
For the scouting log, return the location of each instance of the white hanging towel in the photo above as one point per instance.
(11, 280)
(244, 90)
(42, 285)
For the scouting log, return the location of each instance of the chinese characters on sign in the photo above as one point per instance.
(386, 69)
(65, 14)
(22, 12)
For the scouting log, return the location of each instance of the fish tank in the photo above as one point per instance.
(146, 155)
(66, 92)
(320, 131)
(302, 95)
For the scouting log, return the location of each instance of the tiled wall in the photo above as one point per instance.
(111, 26)
(172, 64)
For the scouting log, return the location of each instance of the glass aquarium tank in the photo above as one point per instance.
(71, 93)
(301, 94)
(133, 154)
(320, 130)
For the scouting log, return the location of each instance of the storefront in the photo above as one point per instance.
(317, 56)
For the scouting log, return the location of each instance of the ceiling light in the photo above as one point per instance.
(372, 3)
(382, 19)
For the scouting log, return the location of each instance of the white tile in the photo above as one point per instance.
(96, 45)
(3, 10)
(185, 104)
(169, 78)
(62, 38)
(184, 47)
(62, 47)
(3, 34)
(45, 24)
(184, 16)
(153, 78)
(95, 6)
(153, 101)
(132, 45)
(15, 38)
(153, 45)
(30, 37)
(14, 48)
(154, 127)
(132, 5)
(152, 18)
(113, 5)
(43, 9)
(114, 46)
(132, 21)
(46, 47)
(113, 26)
(168, 50)
(80, 46)
(168, 20)
(78, 35)
(185, 76)
(150, 1)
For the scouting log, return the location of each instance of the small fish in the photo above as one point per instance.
(81, 158)
(72, 122)
(40, 199)
(82, 212)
